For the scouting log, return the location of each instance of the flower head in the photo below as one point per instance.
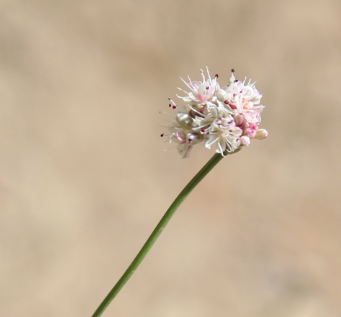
(226, 117)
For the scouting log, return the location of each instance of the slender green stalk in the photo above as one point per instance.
(157, 231)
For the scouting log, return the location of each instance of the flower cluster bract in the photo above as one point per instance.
(226, 117)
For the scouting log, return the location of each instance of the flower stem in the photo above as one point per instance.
(157, 231)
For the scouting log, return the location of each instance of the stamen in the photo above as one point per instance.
(171, 100)
(209, 76)
(186, 83)
(195, 110)
(232, 70)
(162, 112)
(170, 105)
(183, 90)
(179, 97)
(202, 126)
(203, 75)
(216, 75)
(162, 135)
(167, 120)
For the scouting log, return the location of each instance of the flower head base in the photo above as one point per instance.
(226, 117)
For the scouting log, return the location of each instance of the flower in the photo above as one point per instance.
(227, 117)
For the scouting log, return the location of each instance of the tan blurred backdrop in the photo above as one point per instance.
(84, 177)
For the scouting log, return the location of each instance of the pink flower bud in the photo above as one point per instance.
(261, 134)
(244, 141)
(239, 119)
(246, 131)
(250, 133)
(254, 126)
(245, 124)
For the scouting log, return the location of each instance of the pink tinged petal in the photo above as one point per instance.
(258, 109)
(234, 131)
(194, 138)
(184, 119)
(257, 115)
(261, 134)
(185, 150)
(209, 142)
(221, 146)
(221, 94)
(201, 98)
(180, 137)
(237, 131)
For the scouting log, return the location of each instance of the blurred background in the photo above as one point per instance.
(84, 177)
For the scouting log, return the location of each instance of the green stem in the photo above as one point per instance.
(157, 231)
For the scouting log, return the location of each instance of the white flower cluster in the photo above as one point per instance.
(226, 117)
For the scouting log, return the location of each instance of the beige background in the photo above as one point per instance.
(84, 178)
